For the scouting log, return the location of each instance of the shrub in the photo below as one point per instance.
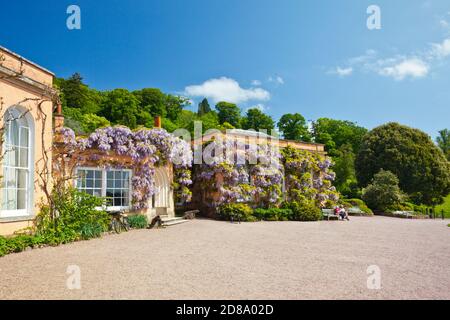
(138, 221)
(236, 211)
(384, 191)
(77, 217)
(357, 203)
(273, 214)
(305, 210)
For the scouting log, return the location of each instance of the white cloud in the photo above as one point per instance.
(413, 68)
(226, 89)
(440, 50)
(261, 107)
(256, 83)
(276, 79)
(342, 72)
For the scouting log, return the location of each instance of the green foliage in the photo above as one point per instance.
(203, 107)
(74, 217)
(357, 203)
(92, 122)
(255, 119)
(273, 214)
(229, 112)
(305, 210)
(410, 154)
(336, 133)
(384, 191)
(444, 207)
(122, 107)
(139, 221)
(236, 211)
(344, 167)
(443, 142)
(294, 127)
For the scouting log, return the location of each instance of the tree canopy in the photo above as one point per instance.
(257, 120)
(443, 141)
(411, 155)
(294, 127)
(229, 112)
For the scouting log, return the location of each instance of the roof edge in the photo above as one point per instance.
(18, 56)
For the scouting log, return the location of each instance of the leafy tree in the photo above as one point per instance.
(203, 107)
(335, 133)
(76, 94)
(384, 191)
(121, 107)
(443, 142)
(91, 122)
(152, 101)
(229, 112)
(255, 119)
(294, 127)
(411, 155)
(344, 168)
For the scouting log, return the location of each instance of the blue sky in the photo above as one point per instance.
(317, 58)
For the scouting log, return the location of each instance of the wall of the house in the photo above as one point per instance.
(12, 92)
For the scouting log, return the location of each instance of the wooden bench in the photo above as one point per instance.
(329, 214)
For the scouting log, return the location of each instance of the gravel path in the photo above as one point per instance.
(205, 259)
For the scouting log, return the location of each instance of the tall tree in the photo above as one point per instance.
(121, 107)
(443, 142)
(203, 107)
(257, 120)
(229, 112)
(410, 154)
(335, 133)
(294, 127)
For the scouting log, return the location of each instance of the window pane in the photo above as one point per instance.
(23, 157)
(24, 137)
(21, 199)
(110, 175)
(12, 199)
(89, 183)
(22, 176)
(89, 174)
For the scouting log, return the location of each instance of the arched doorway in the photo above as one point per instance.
(162, 197)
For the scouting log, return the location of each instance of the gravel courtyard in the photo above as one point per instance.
(206, 259)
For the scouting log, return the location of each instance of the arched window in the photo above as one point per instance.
(17, 179)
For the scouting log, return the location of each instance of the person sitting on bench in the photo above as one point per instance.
(343, 214)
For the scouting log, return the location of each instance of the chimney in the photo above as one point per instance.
(59, 118)
(157, 122)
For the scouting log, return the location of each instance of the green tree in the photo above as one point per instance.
(152, 101)
(91, 122)
(410, 154)
(294, 127)
(121, 107)
(255, 119)
(335, 133)
(344, 168)
(229, 112)
(384, 191)
(76, 94)
(203, 107)
(443, 142)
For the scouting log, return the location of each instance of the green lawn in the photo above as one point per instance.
(445, 207)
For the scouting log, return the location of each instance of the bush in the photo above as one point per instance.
(273, 214)
(138, 221)
(358, 203)
(305, 210)
(384, 192)
(236, 211)
(77, 218)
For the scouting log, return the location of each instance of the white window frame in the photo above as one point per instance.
(29, 183)
(104, 185)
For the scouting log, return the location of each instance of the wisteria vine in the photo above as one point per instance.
(147, 149)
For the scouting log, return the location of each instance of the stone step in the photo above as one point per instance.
(166, 221)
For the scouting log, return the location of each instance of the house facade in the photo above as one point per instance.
(26, 108)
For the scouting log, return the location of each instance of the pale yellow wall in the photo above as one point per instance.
(12, 92)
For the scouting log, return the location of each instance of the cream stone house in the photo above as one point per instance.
(26, 110)
(29, 117)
